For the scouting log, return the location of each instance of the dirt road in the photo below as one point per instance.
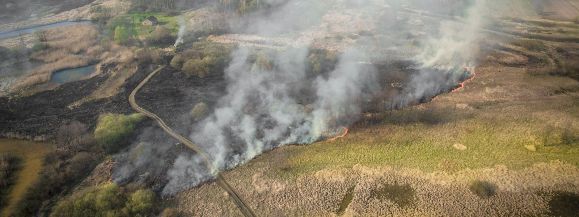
(245, 210)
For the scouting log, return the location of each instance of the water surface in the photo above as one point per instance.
(74, 74)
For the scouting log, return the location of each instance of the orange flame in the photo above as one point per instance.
(461, 85)
(345, 132)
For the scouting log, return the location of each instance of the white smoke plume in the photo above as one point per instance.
(181, 32)
(271, 99)
(448, 56)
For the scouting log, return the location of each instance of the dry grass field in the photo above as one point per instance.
(65, 47)
(506, 144)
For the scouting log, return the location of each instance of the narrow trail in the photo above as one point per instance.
(245, 210)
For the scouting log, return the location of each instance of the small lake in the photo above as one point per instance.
(69, 75)
(32, 29)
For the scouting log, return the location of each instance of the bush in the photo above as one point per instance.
(107, 200)
(202, 59)
(170, 212)
(564, 204)
(199, 111)
(112, 130)
(9, 165)
(483, 189)
(320, 61)
(177, 61)
(161, 36)
(73, 159)
(147, 55)
(196, 67)
(141, 201)
(121, 35)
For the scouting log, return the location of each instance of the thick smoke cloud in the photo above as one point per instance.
(271, 99)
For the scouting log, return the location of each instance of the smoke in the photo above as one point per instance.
(272, 99)
(456, 42)
(447, 57)
(181, 32)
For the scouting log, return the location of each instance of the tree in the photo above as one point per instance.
(199, 111)
(121, 35)
(177, 61)
(196, 67)
(161, 36)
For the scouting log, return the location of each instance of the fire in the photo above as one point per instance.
(461, 85)
(345, 131)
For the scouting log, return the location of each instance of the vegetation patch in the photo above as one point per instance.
(564, 204)
(74, 158)
(128, 28)
(483, 189)
(108, 200)
(113, 130)
(346, 201)
(401, 195)
(202, 59)
(532, 45)
(428, 147)
(9, 166)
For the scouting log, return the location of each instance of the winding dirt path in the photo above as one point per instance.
(245, 210)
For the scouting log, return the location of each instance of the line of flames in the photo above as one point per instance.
(461, 86)
(345, 132)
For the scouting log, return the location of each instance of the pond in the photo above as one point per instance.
(32, 154)
(32, 29)
(74, 74)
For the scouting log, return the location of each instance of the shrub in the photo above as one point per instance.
(161, 36)
(141, 201)
(9, 165)
(564, 204)
(107, 200)
(39, 46)
(196, 67)
(73, 159)
(483, 189)
(170, 212)
(121, 35)
(199, 111)
(203, 58)
(177, 61)
(112, 130)
(402, 195)
(147, 55)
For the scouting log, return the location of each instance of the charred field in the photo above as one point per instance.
(291, 108)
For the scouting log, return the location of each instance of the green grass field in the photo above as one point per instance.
(430, 148)
(132, 24)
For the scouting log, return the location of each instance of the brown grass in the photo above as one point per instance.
(68, 47)
(32, 154)
(496, 117)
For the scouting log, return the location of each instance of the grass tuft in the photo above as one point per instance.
(483, 189)
(401, 195)
(564, 204)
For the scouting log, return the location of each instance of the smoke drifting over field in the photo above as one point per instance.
(272, 100)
